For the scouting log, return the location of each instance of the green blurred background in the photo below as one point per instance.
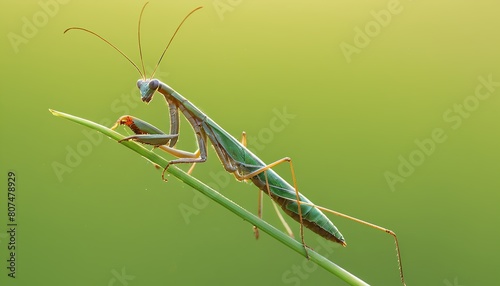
(92, 212)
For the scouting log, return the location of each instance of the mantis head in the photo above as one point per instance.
(147, 88)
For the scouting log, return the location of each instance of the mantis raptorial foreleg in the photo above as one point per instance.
(174, 120)
(147, 133)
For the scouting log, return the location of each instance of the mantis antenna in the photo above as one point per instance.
(143, 72)
(107, 42)
(173, 36)
(139, 40)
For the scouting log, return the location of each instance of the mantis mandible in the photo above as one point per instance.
(233, 154)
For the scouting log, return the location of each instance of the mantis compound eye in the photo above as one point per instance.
(154, 84)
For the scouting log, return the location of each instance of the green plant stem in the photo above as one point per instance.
(220, 199)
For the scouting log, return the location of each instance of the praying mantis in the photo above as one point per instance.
(232, 153)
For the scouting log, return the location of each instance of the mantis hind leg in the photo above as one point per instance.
(388, 231)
